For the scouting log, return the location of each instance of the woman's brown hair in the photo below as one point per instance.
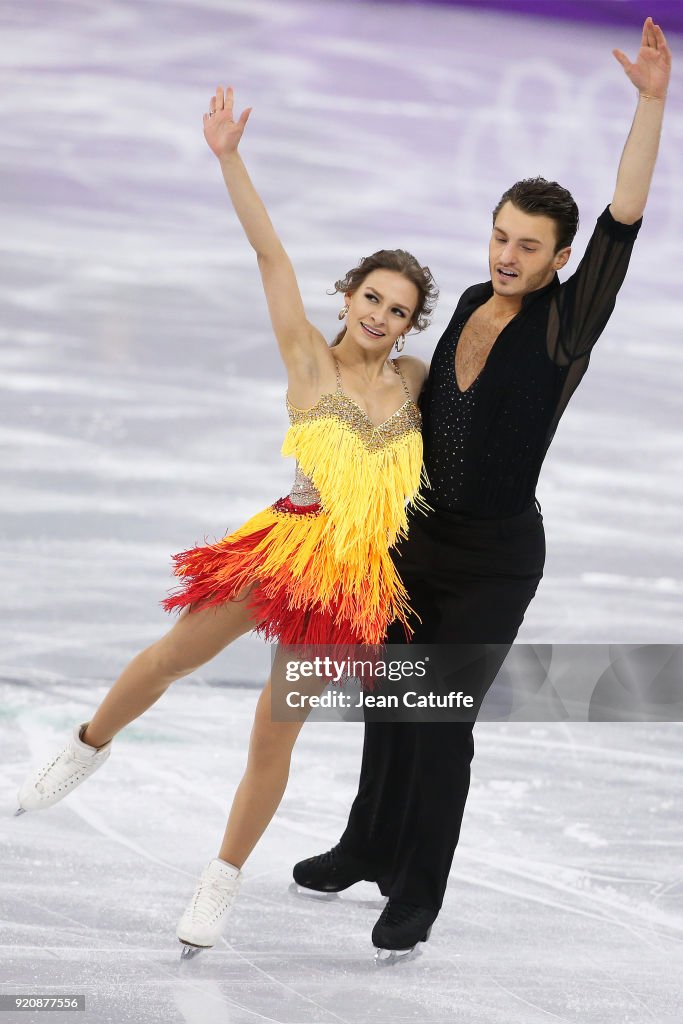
(403, 263)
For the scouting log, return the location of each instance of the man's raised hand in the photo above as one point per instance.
(651, 71)
(221, 132)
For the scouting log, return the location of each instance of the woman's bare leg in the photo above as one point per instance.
(196, 637)
(265, 778)
(264, 781)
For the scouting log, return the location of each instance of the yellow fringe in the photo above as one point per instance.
(364, 494)
(340, 557)
(364, 490)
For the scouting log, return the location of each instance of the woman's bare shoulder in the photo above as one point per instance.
(415, 371)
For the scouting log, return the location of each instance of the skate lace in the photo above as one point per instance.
(211, 899)
(65, 767)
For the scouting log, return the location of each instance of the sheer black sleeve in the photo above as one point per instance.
(582, 305)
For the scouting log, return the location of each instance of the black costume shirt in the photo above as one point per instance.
(484, 447)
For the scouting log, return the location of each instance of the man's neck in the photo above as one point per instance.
(502, 307)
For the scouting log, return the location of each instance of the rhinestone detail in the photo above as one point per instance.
(286, 507)
(303, 491)
(347, 412)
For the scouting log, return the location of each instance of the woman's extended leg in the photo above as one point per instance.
(195, 638)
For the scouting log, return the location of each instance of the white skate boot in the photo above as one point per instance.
(201, 925)
(55, 780)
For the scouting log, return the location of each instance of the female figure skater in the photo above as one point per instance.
(315, 566)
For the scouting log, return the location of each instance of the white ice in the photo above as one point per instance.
(141, 405)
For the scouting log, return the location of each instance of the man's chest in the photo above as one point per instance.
(476, 340)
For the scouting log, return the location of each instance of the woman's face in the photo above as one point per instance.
(381, 309)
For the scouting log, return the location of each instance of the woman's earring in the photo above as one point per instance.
(342, 313)
(402, 339)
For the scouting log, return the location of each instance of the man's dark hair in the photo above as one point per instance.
(547, 199)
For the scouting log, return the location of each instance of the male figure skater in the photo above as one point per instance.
(501, 377)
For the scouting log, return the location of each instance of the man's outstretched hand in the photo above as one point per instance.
(651, 71)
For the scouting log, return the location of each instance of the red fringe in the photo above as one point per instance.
(217, 573)
(201, 569)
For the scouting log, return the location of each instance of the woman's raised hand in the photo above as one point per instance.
(221, 132)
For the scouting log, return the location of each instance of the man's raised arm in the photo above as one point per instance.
(650, 75)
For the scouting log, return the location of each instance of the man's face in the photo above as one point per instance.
(522, 255)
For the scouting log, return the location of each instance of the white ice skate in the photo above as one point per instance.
(201, 925)
(55, 780)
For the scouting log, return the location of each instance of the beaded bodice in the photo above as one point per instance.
(348, 414)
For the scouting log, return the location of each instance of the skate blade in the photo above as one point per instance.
(302, 893)
(390, 957)
(19, 810)
(189, 952)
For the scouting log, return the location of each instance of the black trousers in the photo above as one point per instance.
(470, 581)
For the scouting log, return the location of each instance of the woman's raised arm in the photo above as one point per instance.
(300, 342)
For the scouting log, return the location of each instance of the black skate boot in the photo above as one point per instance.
(332, 871)
(399, 929)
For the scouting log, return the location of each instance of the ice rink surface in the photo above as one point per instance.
(142, 409)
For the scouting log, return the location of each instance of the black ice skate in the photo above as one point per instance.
(332, 871)
(399, 929)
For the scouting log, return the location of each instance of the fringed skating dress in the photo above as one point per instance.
(321, 554)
